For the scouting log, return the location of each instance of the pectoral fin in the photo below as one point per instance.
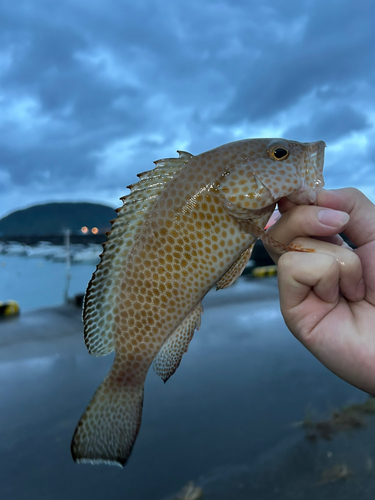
(235, 270)
(251, 227)
(169, 357)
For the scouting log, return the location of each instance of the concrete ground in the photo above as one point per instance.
(224, 420)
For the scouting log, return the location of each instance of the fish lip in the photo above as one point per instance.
(314, 156)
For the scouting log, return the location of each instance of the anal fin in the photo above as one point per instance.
(235, 270)
(169, 357)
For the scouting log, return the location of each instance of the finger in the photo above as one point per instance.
(361, 228)
(297, 278)
(335, 240)
(305, 220)
(347, 262)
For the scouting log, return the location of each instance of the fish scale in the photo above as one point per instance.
(187, 225)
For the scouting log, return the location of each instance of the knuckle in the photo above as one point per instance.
(286, 261)
(348, 258)
(354, 192)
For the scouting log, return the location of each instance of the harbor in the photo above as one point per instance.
(78, 252)
(229, 419)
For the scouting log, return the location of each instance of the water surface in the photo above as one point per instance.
(36, 283)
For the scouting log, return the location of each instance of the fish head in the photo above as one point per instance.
(264, 170)
(290, 169)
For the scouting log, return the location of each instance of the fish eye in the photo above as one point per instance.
(279, 153)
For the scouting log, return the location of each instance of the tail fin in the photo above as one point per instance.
(109, 426)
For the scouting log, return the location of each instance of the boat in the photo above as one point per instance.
(43, 249)
(89, 255)
(16, 249)
(60, 254)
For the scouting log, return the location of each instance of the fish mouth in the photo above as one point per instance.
(317, 155)
(317, 162)
(311, 171)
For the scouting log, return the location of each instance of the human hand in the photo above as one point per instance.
(327, 297)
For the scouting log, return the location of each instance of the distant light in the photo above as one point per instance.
(84, 229)
(94, 230)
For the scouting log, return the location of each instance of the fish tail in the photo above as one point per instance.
(108, 428)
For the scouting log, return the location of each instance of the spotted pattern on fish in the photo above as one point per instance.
(187, 225)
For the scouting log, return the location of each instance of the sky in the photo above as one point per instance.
(91, 92)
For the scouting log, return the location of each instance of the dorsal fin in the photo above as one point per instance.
(100, 298)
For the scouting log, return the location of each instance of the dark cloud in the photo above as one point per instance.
(332, 48)
(91, 93)
(330, 123)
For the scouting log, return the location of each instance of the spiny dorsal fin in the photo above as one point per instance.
(100, 299)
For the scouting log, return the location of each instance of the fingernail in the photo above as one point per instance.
(333, 218)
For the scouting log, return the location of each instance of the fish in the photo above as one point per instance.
(187, 225)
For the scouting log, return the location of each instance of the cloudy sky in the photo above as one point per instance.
(92, 92)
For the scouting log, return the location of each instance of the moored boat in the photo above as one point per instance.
(15, 248)
(41, 250)
(89, 255)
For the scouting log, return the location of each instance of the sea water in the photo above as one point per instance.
(36, 283)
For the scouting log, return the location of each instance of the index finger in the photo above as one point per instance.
(361, 226)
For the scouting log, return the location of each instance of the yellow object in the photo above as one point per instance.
(9, 308)
(264, 271)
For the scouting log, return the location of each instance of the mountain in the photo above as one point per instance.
(53, 218)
